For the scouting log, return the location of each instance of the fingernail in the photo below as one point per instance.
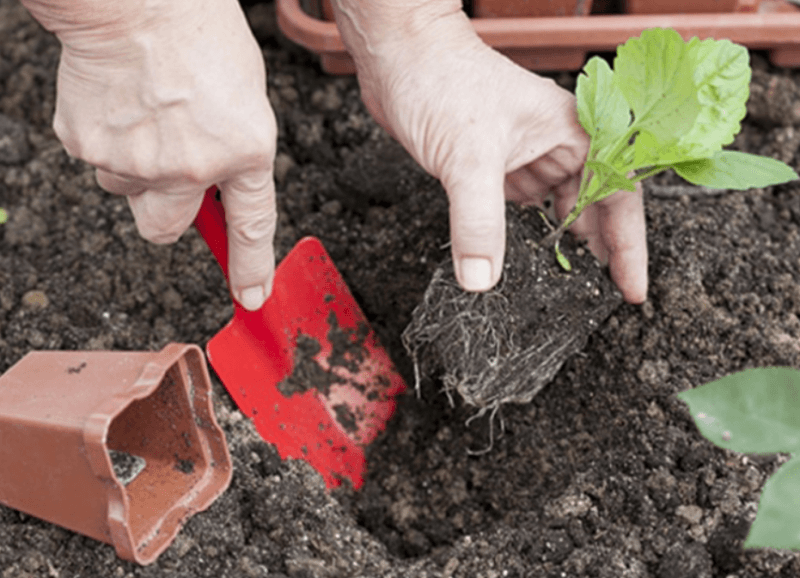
(252, 298)
(476, 273)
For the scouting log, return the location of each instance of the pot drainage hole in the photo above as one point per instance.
(126, 466)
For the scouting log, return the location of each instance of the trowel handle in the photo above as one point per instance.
(210, 221)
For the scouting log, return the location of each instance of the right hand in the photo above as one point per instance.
(166, 101)
(489, 130)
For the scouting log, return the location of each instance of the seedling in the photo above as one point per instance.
(3, 216)
(758, 411)
(667, 104)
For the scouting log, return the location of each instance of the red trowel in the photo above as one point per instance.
(306, 368)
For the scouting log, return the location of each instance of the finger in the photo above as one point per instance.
(251, 216)
(162, 217)
(524, 188)
(477, 225)
(623, 232)
(118, 184)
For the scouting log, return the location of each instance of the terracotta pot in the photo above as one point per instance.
(534, 42)
(487, 8)
(321, 9)
(556, 59)
(122, 447)
(682, 6)
(318, 8)
(526, 8)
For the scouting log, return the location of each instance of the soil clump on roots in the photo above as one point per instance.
(506, 344)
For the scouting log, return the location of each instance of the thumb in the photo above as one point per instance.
(250, 213)
(477, 225)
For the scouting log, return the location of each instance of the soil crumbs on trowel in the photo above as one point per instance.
(348, 352)
(601, 475)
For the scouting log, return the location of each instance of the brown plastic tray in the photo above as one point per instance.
(561, 43)
(119, 446)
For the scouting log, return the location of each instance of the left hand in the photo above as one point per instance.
(166, 98)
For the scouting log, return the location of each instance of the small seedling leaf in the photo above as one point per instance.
(735, 170)
(562, 260)
(777, 524)
(3, 216)
(753, 411)
(602, 109)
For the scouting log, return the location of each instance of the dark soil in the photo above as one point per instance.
(602, 475)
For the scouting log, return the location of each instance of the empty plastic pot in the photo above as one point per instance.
(120, 446)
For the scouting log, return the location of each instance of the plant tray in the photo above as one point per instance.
(562, 43)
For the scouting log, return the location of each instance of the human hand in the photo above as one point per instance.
(490, 131)
(166, 101)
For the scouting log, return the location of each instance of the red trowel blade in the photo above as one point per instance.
(306, 368)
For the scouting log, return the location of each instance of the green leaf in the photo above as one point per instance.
(722, 80)
(3, 216)
(735, 170)
(756, 410)
(602, 109)
(562, 259)
(655, 73)
(777, 524)
(648, 152)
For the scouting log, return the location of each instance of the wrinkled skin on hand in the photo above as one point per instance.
(490, 131)
(166, 98)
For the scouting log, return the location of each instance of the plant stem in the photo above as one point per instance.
(648, 174)
(584, 200)
(555, 235)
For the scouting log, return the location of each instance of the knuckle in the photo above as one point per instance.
(253, 230)
(479, 228)
(196, 171)
(264, 143)
(140, 164)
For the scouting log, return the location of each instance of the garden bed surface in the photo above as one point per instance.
(602, 475)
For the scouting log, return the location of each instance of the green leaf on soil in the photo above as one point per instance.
(777, 524)
(755, 411)
(758, 411)
(3, 216)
